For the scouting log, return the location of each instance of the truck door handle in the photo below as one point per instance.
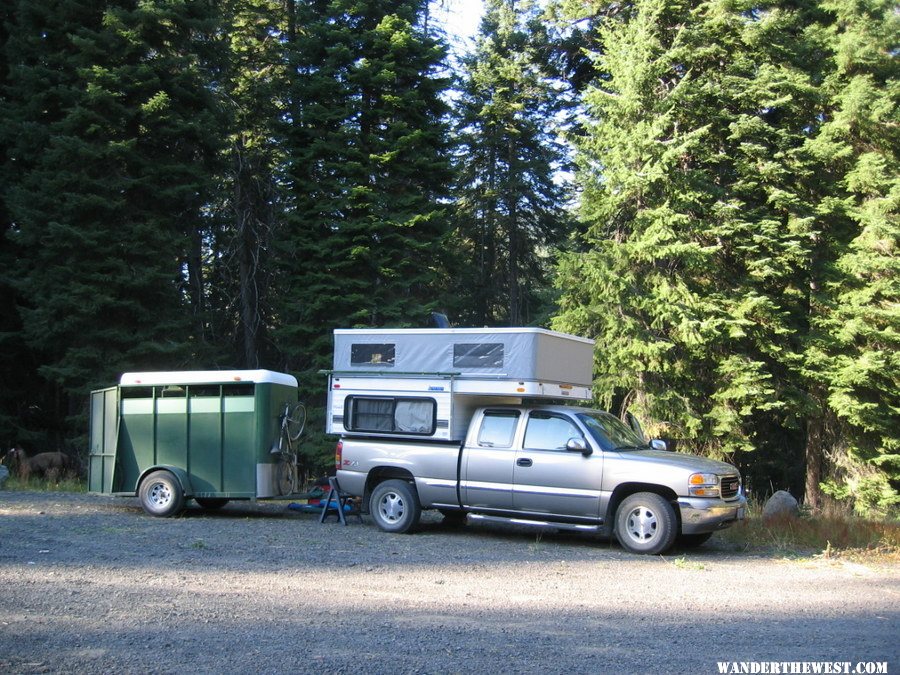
(524, 462)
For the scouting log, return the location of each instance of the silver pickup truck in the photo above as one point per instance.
(547, 466)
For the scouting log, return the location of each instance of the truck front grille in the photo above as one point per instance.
(730, 486)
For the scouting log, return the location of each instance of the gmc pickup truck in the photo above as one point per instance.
(551, 466)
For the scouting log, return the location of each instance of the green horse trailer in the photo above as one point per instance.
(211, 436)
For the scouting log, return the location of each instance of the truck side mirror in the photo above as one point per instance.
(579, 445)
(659, 444)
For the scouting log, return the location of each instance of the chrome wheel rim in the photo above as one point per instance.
(641, 524)
(159, 495)
(391, 507)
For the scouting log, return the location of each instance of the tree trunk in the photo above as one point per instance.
(515, 317)
(249, 299)
(815, 460)
(247, 253)
(195, 282)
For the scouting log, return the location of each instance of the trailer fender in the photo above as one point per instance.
(178, 472)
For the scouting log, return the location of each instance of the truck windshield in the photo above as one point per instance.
(610, 432)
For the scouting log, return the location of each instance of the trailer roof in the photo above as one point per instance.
(207, 377)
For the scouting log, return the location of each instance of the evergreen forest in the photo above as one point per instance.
(707, 188)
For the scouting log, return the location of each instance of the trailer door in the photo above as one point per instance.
(103, 435)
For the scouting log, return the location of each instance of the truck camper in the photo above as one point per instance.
(425, 383)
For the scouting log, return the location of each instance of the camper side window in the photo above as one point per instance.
(390, 415)
(487, 355)
(372, 355)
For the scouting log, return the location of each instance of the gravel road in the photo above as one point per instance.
(92, 585)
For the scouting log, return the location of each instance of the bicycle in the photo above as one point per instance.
(287, 474)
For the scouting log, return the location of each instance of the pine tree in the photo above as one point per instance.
(16, 362)
(250, 195)
(510, 207)
(110, 124)
(368, 168)
(852, 349)
(690, 272)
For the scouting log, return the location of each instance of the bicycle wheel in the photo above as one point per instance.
(295, 420)
(286, 477)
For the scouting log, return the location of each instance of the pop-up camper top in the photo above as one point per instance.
(424, 383)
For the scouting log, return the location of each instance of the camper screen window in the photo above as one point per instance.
(391, 415)
(489, 355)
(372, 355)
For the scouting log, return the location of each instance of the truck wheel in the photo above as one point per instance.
(211, 503)
(645, 523)
(394, 506)
(161, 494)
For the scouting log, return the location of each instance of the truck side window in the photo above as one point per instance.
(498, 428)
(549, 432)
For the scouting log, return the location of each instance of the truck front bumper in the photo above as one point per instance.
(708, 515)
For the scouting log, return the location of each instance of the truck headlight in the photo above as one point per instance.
(703, 485)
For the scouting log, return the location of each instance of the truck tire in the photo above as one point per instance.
(394, 505)
(211, 503)
(161, 494)
(645, 523)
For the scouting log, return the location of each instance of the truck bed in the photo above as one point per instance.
(434, 465)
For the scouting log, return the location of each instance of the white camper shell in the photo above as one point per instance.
(425, 383)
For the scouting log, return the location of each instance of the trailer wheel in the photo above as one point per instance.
(211, 503)
(161, 494)
(394, 506)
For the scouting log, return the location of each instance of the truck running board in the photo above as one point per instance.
(535, 523)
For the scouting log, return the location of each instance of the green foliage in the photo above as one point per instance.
(852, 353)
(509, 215)
(201, 185)
(737, 263)
(236, 302)
(63, 484)
(110, 147)
(368, 172)
(687, 269)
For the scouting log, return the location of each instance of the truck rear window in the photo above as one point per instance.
(498, 428)
(390, 415)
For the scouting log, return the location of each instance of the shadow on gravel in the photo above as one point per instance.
(300, 636)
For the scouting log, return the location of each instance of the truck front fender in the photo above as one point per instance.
(625, 489)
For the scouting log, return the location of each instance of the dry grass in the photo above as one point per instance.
(833, 533)
(64, 484)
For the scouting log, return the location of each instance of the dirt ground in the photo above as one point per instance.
(90, 584)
